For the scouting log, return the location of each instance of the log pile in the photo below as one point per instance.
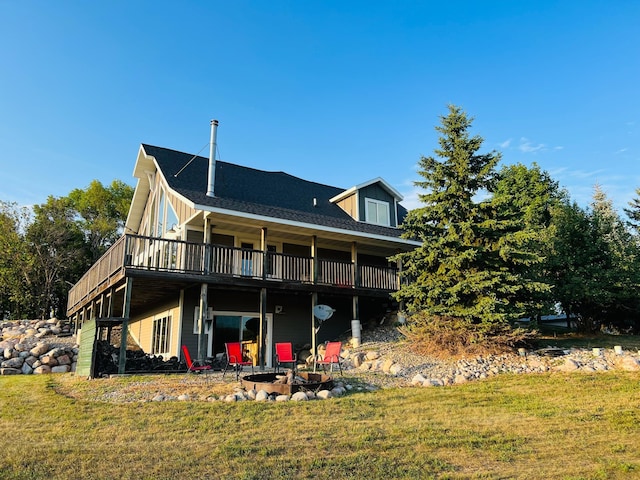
(107, 356)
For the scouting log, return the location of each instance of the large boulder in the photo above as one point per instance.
(64, 360)
(61, 369)
(569, 365)
(262, 396)
(9, 371)
(630, 364)
(49, 360)
(13, 363)
(40, 349)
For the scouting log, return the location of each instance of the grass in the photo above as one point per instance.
(561, 338)
(578, 426)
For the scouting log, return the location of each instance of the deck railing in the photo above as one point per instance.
(107, 266)
(176, 256)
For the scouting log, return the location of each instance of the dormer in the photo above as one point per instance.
(374, 202)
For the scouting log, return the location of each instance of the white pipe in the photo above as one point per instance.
(212, 159)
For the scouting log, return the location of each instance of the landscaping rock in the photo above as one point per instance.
(39, 349)
(323, 394)
(61, 369)
(13, 363)
(9, 371)
(630, 364)
(262, 396)
(569, 365)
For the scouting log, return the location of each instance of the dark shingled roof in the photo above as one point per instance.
(271, 194)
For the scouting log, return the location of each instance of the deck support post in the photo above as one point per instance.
(202, 347)
(356, 328)
(314, 302)
(126, 308)
(354, 261)
(265, 256)
(314, 259)
(262, 350)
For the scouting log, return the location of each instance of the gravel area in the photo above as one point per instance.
(384, 343)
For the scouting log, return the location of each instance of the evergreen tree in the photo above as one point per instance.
(618, 277)
(596, 267)
(467, 267)
(531, 198)
(634, 211)
(572, 264)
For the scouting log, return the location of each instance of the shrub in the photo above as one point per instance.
(442, 337)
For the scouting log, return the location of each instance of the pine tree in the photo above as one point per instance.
(634, 211)
(530, 197)
(465, 268)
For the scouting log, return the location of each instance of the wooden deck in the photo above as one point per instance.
(135, 255)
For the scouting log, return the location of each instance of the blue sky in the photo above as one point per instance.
(337, 92)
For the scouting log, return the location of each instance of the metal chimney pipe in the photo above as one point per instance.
(212, 159)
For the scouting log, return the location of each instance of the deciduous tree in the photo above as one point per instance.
(102, 212)
(15, 262)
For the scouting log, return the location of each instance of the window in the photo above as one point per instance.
(151, 225)
(160, 230)
(161, 335)
(377, 212)
(172, 218)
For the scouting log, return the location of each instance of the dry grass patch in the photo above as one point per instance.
(580, 426)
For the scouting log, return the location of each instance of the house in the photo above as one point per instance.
(214, 252)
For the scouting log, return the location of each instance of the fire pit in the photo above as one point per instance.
(304, 381)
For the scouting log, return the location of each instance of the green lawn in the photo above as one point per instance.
(578, 426)
(561, 338)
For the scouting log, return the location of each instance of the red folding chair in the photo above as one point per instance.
(191, 365)
(235, 358)
(331, 357)
(284, 354)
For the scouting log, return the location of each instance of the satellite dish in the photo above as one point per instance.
(323, 312)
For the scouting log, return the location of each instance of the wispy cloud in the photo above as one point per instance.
(527, 147)
(622, 150)
(564, 173)
(411, 199)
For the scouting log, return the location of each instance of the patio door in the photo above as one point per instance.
(244, 328)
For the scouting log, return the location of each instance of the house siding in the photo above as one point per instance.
(376, 192)
(183, 211)
(350, 205)
(141, 328)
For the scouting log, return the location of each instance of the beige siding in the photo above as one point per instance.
(141, 329)
(183, 211)
(350, 206)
